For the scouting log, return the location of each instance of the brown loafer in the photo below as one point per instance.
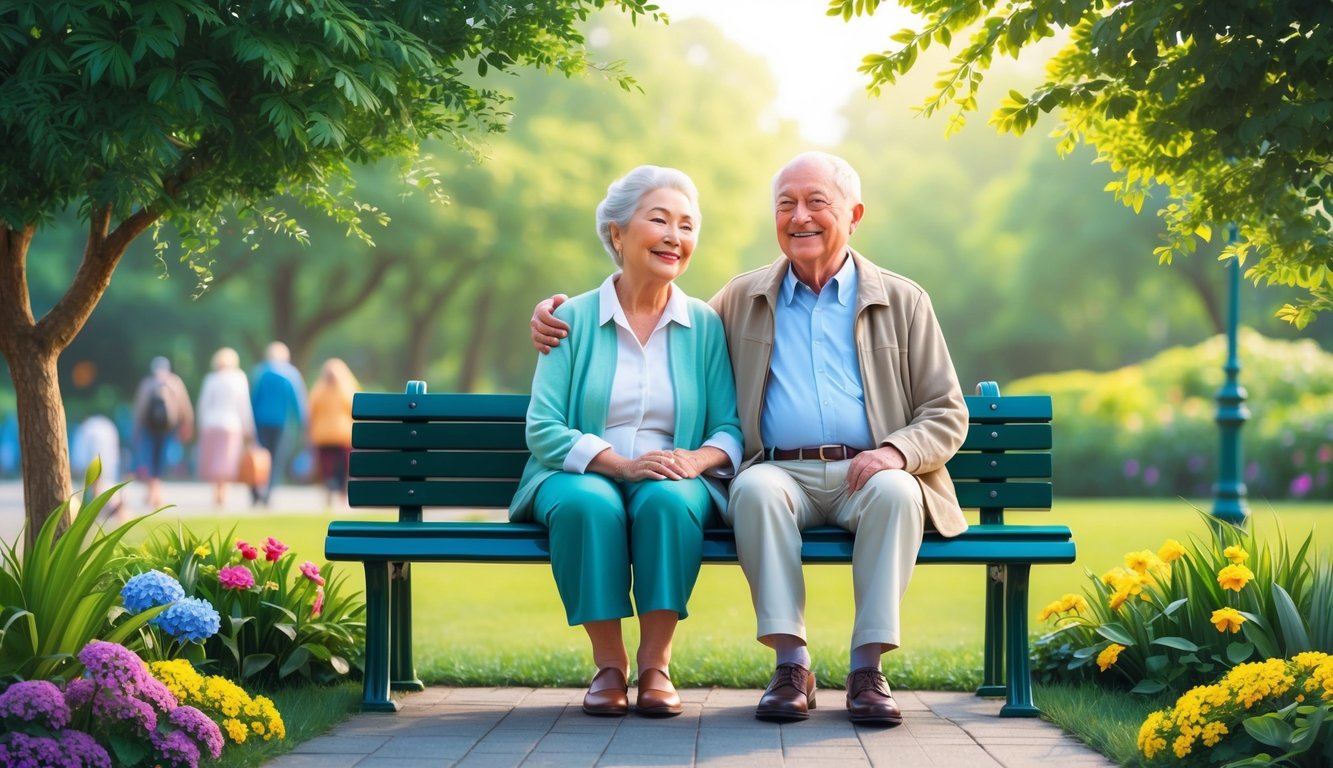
(790, 695)
(869, 701)
(657, 696)
(608, 694)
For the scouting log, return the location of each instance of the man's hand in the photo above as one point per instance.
(867, 463)
(547, 330)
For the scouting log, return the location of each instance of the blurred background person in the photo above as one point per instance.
(226, 421)
(97, 438)
(331, 426)
(278, 396)
(162, 410)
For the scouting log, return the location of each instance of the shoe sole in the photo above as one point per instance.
(884, 722)
(612, 712)
(658, 712)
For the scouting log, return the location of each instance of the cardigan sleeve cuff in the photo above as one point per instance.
(583, 452)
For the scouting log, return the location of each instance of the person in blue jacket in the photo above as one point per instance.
(278, 398)
(632, 425)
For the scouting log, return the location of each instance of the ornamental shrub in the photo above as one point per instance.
(182, 620)
(116, 714)
(1178, 617)
(282, 620)
(1272, 712)
(1150, 430)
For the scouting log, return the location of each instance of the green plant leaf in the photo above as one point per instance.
(1269, 729)
(1116, 633)
(1292, 624)
(1149, 687)
(1179, 643)
(1239, 652)
(254, 664)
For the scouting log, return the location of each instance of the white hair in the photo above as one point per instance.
(843, 175)
(624, 195)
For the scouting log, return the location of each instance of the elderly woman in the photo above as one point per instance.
(225, 421)
(632, 421)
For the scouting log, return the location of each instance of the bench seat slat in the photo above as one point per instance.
(526, 542)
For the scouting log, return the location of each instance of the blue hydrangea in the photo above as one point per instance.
(149, 590)
(190, 620)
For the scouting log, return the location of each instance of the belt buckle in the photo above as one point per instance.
(822, 457)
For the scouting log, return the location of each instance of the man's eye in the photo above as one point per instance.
(818, 204)
(786, 205)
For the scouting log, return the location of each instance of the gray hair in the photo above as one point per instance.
(623, 197)
(844, 176)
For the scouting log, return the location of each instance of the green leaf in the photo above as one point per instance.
(1290, 621)
(1179, 643)
(1148, 687)
(1239, 652)
(1116, 633)
(254, 664)
(1269, 729)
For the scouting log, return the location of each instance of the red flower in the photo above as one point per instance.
(236, 577)
(247, 551)
(274, 549)
(319, 603)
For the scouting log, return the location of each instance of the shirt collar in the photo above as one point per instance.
(844, 282)
(609, 309)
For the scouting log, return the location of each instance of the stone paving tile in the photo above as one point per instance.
(507, 727)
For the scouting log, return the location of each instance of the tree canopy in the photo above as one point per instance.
(137, 113)
(1223, 104)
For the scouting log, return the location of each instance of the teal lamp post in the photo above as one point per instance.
(1229, 492)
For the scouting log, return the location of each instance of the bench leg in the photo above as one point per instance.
(992, 677)
(375, 694)
(402, 673)
(1018, 671)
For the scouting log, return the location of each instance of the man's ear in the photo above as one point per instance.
(858, 211)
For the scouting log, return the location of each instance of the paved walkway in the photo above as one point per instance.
(496, 727)
(544, 726)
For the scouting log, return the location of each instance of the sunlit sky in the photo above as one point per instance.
(790, 35)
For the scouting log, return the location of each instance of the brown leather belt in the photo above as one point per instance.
(817, 453)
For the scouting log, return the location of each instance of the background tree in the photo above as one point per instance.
(151, 111)
(1224, 104)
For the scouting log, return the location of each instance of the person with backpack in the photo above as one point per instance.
(162, 409)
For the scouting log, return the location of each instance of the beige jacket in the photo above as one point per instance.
(913, 400)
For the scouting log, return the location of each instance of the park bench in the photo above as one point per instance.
(416, 450)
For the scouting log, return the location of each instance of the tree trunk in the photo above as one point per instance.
(33, 346)
(472, 358)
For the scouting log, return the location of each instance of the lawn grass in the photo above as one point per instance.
(480, 624)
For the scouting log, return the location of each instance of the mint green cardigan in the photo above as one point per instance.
(571, 391)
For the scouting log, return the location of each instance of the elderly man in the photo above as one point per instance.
(850, 407)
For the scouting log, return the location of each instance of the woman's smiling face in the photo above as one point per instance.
(660, 236)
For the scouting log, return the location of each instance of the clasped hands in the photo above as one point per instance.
(678, 464)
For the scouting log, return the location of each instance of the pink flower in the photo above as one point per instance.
(247, 551)
(311, 571)
(274, 549)
(319, 603)
(236, 577)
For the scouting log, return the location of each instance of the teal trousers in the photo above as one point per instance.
(608, 535)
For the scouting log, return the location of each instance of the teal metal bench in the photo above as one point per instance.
(417, 450)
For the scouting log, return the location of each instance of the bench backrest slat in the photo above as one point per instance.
(465, 450)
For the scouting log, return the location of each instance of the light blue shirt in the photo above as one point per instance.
(814, 394)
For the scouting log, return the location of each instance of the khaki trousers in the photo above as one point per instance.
(772, 502)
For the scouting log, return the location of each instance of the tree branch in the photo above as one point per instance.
(15, 302)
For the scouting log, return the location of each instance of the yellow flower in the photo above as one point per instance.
(1171, 551)
(1109, 655)
(1118, 599)
(202, 550)
(1049, 611)
(1070, 603)
(1140, 561)
(1234, 577)
(1227, 618)
(1236, 555)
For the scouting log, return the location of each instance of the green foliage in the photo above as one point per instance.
(1176, 618)
(296, 624)
(59, 594)
(1226, 107)
(1149, 429)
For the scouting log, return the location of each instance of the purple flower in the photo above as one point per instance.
(1251, 472)
(1131, 468)
(191, 620)
(1150, 476)
(21, 750)
(1195, 463)
(200, 728)
(1325, 453)
(83, 750)
(35, 701)
(79, 692)
(1301, 485)
(149, 590)
(176, 748)
(113, 666)
(110, 705)
(157, 694)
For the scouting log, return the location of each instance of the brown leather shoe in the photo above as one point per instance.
(790, 695)
(869, 701)
(657, 696)
(608, 694)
